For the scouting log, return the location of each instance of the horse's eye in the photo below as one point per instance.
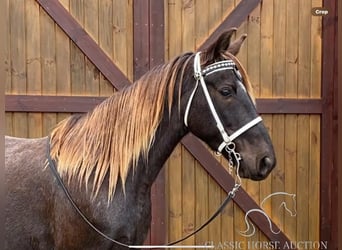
(226, 92)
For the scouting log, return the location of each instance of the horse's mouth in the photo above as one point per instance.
(255, 176)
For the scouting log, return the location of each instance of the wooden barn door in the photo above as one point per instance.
(288, 55)
(66, 56)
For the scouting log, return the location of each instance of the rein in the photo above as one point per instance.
(234, 157)
(53, 168)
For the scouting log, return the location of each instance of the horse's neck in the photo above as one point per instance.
(168, 135)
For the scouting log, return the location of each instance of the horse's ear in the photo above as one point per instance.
(221, 45)
(235, 46)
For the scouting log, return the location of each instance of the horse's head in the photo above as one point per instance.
(220, 110)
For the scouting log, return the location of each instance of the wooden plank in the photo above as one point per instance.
(106, 27)
(201, 203)
(33, 60)
(278, 173)
(174, 29)
(304, 55)
(227, 216)
(214, 201)
(214, 15)
(316, 53)
(253, 49)
(106, 42)
(175, 197)
(266, 49)
(302, 177)
(315, 121)
(88, 46)
(291, 49)
(85, 77)
(188, 26)
(201, 21)
(278, 63)
(188, 194)
(314, 178)
(33, 64)
(63, 64)
(123, 35)
(290, 163)
(290, 135)
(91, 25)
(239, 225)
(227, 7)
(18, 62)
(5, 41)
(303, 151)
(91, 19)
(279, 74)
(49, 76)
(77, 58)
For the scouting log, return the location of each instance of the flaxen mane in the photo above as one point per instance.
(110, 139)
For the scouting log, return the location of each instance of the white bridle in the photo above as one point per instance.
(227, 142)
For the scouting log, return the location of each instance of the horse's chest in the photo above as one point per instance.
(133, 219)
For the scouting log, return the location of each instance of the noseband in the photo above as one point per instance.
(227, 140)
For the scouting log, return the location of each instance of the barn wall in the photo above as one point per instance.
(282, 55)
(43, 60)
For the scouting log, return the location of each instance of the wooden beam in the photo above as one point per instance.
(38, 103)
(51, 104)
(141, 39)
(84, 42)
(234, 19)
(148, 35)
(328, 181)
(289, 106)
(339, 115)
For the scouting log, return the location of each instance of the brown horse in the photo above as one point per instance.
(109, 157)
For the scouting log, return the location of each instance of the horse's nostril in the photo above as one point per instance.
(266, 165)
